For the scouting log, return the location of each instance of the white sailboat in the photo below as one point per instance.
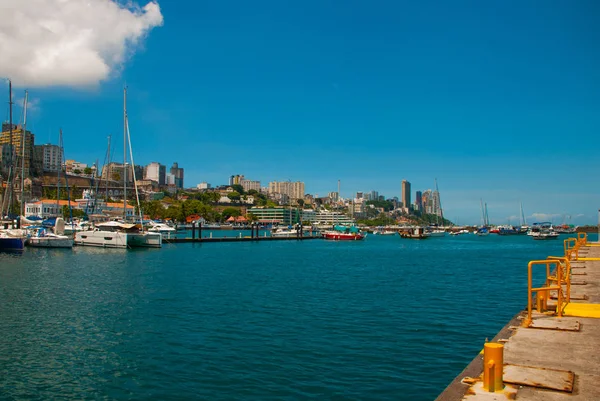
(484, 230)
(115, 234)
(42, 237)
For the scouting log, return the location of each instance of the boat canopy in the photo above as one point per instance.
(352, 229)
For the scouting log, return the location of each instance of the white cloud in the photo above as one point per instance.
(545, 216)
(70, 42)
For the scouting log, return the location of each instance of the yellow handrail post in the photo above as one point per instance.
(493, 365)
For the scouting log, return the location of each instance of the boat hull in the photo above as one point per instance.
(144, 240)
(103, 239)
(343, 236)
(50, 242)
(12, 244)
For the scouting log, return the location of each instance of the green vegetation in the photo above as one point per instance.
(385, 204)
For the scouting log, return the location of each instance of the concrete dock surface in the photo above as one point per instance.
(554, 358)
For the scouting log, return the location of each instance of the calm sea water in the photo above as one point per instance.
(385, 318)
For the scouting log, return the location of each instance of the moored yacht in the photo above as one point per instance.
(114, 234)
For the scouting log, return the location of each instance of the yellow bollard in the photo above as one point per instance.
(542, 301)
(493, 364)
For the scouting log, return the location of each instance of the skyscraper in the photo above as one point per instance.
(405, 194)
(419, 200)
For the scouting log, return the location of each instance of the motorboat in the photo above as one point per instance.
(162, 228)
(286, 232)
(41, 237)
(114, 234)
(344, 233)
(414, 233)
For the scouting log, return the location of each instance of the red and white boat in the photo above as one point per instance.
(343, 233)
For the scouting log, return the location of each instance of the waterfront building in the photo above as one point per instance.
(203, 185)
(155, 172)
(46, 208)
(406, 195)
(276, 215)
(294, 190)
(177, 173)
(18, 143)
(359, 195)
(334, 197)
(327, 217)
(249, 185)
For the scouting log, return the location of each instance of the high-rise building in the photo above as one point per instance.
(294, 190)
(373, 196)
(419, 201)
(18, 143)
(177, 173)
(114, 171)
(52, 157)
(236, 179)
(156, 172)
(405, 194)
(249, 185)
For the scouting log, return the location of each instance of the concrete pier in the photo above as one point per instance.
(553, 358)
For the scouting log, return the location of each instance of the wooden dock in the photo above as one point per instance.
(553, 358)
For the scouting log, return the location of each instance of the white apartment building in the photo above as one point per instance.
(249, 184)
(294, 190)
(52, 157)
(156, 172)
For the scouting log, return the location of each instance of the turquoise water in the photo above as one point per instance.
(385, 318)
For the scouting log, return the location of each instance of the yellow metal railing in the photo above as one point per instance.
(554, 282)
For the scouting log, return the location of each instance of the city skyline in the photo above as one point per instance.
(498, 102)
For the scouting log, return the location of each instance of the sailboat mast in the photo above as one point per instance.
(107, 170)
(7, 197)
(22, 206)
(439, 199)
(58, 168)
(523, 221)
(125, 154)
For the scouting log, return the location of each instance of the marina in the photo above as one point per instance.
(250, 319)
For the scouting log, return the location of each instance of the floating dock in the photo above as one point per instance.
(551, 351)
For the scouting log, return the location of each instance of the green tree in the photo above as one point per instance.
(88, 171)
(230, 211)
(238, 188)
(234, 196)
(300, 202)
(116, 176)
(77, 171)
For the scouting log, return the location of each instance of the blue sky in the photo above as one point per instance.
(498, 100)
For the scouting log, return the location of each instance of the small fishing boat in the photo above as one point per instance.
(414, 233)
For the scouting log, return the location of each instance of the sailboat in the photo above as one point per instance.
(45, 237)
(120, 234)
(11, 240)
(484, 229)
